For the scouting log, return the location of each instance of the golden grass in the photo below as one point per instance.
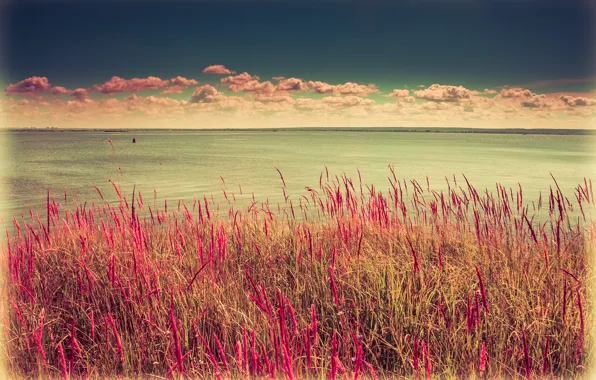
(344, 281)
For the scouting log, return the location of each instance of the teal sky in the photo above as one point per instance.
(476, 44)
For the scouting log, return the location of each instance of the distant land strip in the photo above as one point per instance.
(511, 131)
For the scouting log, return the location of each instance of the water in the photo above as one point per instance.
(181, 165)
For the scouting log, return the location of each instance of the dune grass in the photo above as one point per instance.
(343, 281)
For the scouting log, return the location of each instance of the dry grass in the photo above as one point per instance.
(344, 280)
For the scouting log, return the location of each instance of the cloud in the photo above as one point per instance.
(151, 105)
(239, 79)
(434, 106)
(152, 100)
(78, 106)
(577, 101)
(348, 88)
(535, 102)
(291, 100)
(182, 82)
(443, 93)
(273, 98)
(32, 85)
(173, 90)
(117, 84)
(217, 69)
(80, 94)
(397, 93)
(516, 92)
(59, 90)
(347, 101)
(291, 84)
(248, 83)
(204, 94)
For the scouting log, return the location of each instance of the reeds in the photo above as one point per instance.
(344, 280)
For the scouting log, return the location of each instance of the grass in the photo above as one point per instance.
(345, 280)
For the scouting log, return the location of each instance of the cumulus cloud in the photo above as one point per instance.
(434, 106)
(173, 90)
(204, 94)
(341, 103)
(239, 79)
(182, 82)
(117, 84)
(251, 83)
(397, 93)
(443, 93)
(516, 92)
(291, 84)
(59, 90)
(78, 106)
(273, 98)
(535, 102)
(217, 69)
(152, 100)
(577, 101)
(347, 101)
(348, 88)
(79, 94)
(248, 83)
(32, 85)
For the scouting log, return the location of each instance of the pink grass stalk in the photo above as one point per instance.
(482, 291)
(177, 349)
(527, 358)
(483, 360)
(211, 358)
(63, 369)
(239, 356)
(427, 361)
(416, 369)
(333, 288)
(117, 337)
(545, 361)
(372, 371)
(564, 305)
(414, 255)
(580, 339)
(38, 337)
(222, 354)
(334, 360)
(92, 324)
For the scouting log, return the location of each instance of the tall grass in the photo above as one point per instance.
(345, 280)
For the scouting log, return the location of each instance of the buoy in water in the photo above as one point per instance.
(134, 140)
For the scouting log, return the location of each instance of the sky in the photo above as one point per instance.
(243, 64)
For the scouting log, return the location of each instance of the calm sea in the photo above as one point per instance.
(182, 165)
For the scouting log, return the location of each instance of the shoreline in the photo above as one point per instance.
(507, 131)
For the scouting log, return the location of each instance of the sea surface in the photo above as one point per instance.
(186, 164)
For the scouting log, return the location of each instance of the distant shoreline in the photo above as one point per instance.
(511, 131)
